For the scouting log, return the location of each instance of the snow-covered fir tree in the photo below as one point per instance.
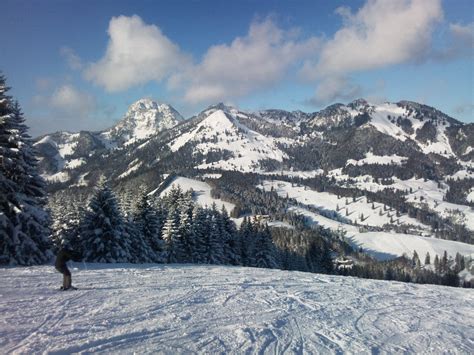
(198, 233)
(24, 223)
(103, 233)
(231, 239)
(265, 253)
(215, 252)
(149, 225)
(171, 236)
(185, 207)
(247, 234)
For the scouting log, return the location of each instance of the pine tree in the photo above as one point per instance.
(459, 262)
(246, 233)
(216, 246)
(24, 223)
(173, 245)
(437, 266)
(427, 259)
(185, 205)
(265, 253)
(444, 262)
(415, 260)
(232, 245)
(103, 231)
(199, 236)
(141, 251)
(149, 226)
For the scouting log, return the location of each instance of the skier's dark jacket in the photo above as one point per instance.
(64, 256)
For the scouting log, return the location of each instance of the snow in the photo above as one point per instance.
(393, 244)
(133, 168)
(470, 196)
(214, 310)
(202, 192)
(67, 148)
(307, 174)
(371, 158)
(222, 132)
(212, 176)
(327, 201)
(468, 150)
(74, 163)
(461, 175)
(381, 122)
(423, 192)
(280, 224)
(389, 245)
(61, 176)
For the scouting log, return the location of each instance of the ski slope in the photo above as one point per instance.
(175, 309)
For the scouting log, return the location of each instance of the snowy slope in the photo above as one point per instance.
(202, 192)
(220, 132)
(385, 245)
(359, 211)
(209, 309)
(381, 245)
(383, 115)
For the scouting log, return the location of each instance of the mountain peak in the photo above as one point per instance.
(143, 119)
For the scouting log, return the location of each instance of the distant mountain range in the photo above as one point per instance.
(223, 137)
(406, 155)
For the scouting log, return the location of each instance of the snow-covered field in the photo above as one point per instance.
(359, 211)
(380, 245)
(386, 246)
(210, 309)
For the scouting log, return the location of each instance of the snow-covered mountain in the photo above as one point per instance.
(238, 147)
(143, 119)
(407, 155)
(61, 152)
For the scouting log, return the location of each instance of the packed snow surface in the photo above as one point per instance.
(213, 309)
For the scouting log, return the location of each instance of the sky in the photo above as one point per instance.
(78, 65)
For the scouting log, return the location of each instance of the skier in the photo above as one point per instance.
(64, 255)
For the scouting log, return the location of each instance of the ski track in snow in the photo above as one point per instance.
(210, 309)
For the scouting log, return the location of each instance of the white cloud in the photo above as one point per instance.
(335, 88)
(381, 33)
(66, 108)
(258, 60)
(136, 53)
(73, 60)
(71, 102)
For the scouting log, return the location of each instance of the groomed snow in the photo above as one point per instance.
(217, 310)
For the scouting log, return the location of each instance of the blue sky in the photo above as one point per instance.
(78, 65)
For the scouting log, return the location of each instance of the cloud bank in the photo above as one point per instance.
(255, 61)
(136, 54)
(380, 34)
